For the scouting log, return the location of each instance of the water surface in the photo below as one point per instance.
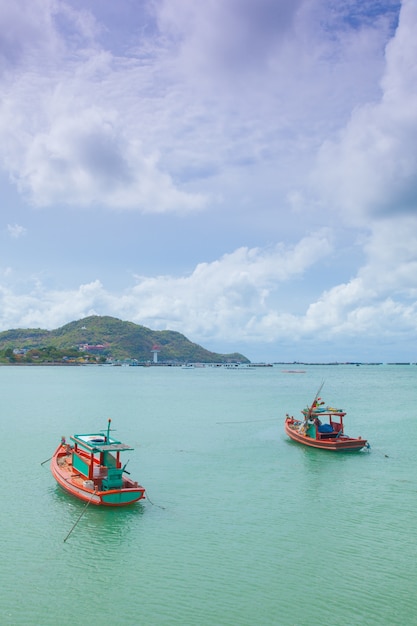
(242, 527)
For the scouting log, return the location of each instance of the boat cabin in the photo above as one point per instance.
(331, 429)
(97, 457)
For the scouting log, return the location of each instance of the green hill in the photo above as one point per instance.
(105, 337)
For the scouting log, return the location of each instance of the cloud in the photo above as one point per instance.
(87, 160)
(392, 257)
(15, 231)
(73, 133)
(380, 300)
(227, 293)
(27, 32)
(167, 126)
(216, 297)
(368, 176)
(371, 170)
(39, 308)
(227, 38)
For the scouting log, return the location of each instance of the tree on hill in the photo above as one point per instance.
(105, 336)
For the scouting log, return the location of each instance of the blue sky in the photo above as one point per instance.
(241, 171)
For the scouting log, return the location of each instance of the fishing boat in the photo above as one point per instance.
(322, 427)
(90, 469)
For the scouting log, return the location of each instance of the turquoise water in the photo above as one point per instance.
(242, 526)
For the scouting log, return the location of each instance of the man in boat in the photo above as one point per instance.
(66, 445)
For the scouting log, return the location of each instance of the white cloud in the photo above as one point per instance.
(87, 161)
(145, 132)
(381, 299)
(40, 308)
(27, 32)
(392, 257)
(367, 176)
(217, 297)
(74, 133)
(372, 170)
(15, 230)
(226, 39)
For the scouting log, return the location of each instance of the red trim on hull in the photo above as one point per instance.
(342, 443)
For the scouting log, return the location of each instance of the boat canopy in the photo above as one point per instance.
(99, 443)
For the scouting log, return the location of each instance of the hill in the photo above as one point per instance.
(108, 337)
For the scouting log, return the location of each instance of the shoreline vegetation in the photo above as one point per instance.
(104, 340)
(228, 365)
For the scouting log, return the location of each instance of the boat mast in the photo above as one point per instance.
(310, 410)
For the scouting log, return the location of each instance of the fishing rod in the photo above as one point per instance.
(310, 410)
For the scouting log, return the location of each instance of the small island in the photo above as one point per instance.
(105, 340)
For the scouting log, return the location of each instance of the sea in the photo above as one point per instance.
(240, 527)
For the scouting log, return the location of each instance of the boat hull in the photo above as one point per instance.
(342, 443)
(76, 485)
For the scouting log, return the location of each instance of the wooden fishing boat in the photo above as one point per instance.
(313, 431)
(90, 469)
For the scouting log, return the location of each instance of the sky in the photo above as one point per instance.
(241, 171)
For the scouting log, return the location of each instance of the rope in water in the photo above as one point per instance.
(81, 514)
(150, 502)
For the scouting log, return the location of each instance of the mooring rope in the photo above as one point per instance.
(153, 504)
(81, 514)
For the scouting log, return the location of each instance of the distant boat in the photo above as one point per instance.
(90, 469)
(314, 432)
(260, 365)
